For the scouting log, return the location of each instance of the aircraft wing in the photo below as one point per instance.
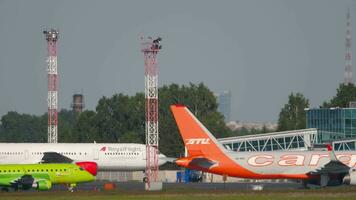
(54, 157)
(7, 181)
(13, 181)
(335, 166)
(332, 167)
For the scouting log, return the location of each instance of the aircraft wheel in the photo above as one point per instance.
(72, 187)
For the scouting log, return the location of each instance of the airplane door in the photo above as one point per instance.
(96, 154)
(26, 154)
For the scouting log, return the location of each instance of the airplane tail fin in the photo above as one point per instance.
(197, 138)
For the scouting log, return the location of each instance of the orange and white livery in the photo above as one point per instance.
(205, 153)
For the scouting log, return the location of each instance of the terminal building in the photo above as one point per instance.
(332, 123)
(324, 125)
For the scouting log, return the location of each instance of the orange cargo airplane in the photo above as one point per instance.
(206, 154)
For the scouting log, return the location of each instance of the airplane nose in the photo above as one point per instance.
(91, 167)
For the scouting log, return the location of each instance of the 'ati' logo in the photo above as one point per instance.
(198, 141)
(103, 149)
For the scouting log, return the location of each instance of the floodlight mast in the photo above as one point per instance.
(51, 37)
(150, 49)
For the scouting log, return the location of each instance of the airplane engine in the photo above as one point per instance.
(43, 185)
(350, 179)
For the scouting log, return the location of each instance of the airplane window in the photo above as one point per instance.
(18, 170)
(46, 170)
(0, 171)
(5, 171)
(81, 169)
(65, 169)
(41, 170)
(56, 169)
(38, 170)
(51, 170)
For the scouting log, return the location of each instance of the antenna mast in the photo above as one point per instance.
(52, 99)
(348, 53)
(150, 49)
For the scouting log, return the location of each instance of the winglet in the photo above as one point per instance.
(330, 148)
(331, 152)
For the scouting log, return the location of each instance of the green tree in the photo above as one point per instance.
(344, 95)
(118, 116)
(292, 115)
(23, 128)
(66, 124)
(85, 129)
(201, 101)
(121, 118)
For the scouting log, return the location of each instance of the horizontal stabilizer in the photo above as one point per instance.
(200, 163)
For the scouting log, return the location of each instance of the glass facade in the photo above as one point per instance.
(332, 123)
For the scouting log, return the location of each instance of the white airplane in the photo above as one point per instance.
(108, 156)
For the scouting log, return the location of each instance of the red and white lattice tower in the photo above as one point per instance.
(52, 99)
(348, 54)
(150, 50)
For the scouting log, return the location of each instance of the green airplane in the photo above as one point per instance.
(43, 176)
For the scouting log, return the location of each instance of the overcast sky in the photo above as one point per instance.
(261, 50)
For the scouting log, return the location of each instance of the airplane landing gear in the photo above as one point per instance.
(71, 187)
(5, 189)
(305, 184)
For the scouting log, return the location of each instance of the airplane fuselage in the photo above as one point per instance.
(108, 156)
(276, 164)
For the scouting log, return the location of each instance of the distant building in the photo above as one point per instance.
(78, 103)
(224, 104)
(332, 123)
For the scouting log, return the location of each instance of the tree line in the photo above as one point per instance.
(120, 118)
